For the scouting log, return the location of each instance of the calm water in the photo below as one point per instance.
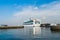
(27, 33)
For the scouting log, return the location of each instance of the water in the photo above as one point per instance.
(28, 34)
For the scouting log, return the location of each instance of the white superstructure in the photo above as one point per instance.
(32, 22)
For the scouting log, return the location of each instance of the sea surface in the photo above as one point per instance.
(29, 33)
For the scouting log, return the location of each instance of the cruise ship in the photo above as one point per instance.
(35, 23)
(32, 22)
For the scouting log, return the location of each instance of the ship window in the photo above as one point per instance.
(29, 22)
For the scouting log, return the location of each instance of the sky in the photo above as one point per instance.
(15, 12)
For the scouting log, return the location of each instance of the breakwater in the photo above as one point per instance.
(11, 27)
(55, 28)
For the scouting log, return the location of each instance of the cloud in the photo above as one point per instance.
(50, 10)
(45, 12)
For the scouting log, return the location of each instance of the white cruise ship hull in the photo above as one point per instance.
(35, 25)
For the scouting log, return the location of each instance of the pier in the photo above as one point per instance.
(11, 27)
(55, 28)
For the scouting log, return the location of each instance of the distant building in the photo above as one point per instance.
(45, 25)
(4, 25)
(53, 24)
(58, 24)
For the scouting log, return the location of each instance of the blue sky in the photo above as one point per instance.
(12, 12)
(24, 2)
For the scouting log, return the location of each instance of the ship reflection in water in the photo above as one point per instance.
(28, 32)
(41, 32)
(36, 30)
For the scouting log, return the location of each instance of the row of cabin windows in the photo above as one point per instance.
(31, 22)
